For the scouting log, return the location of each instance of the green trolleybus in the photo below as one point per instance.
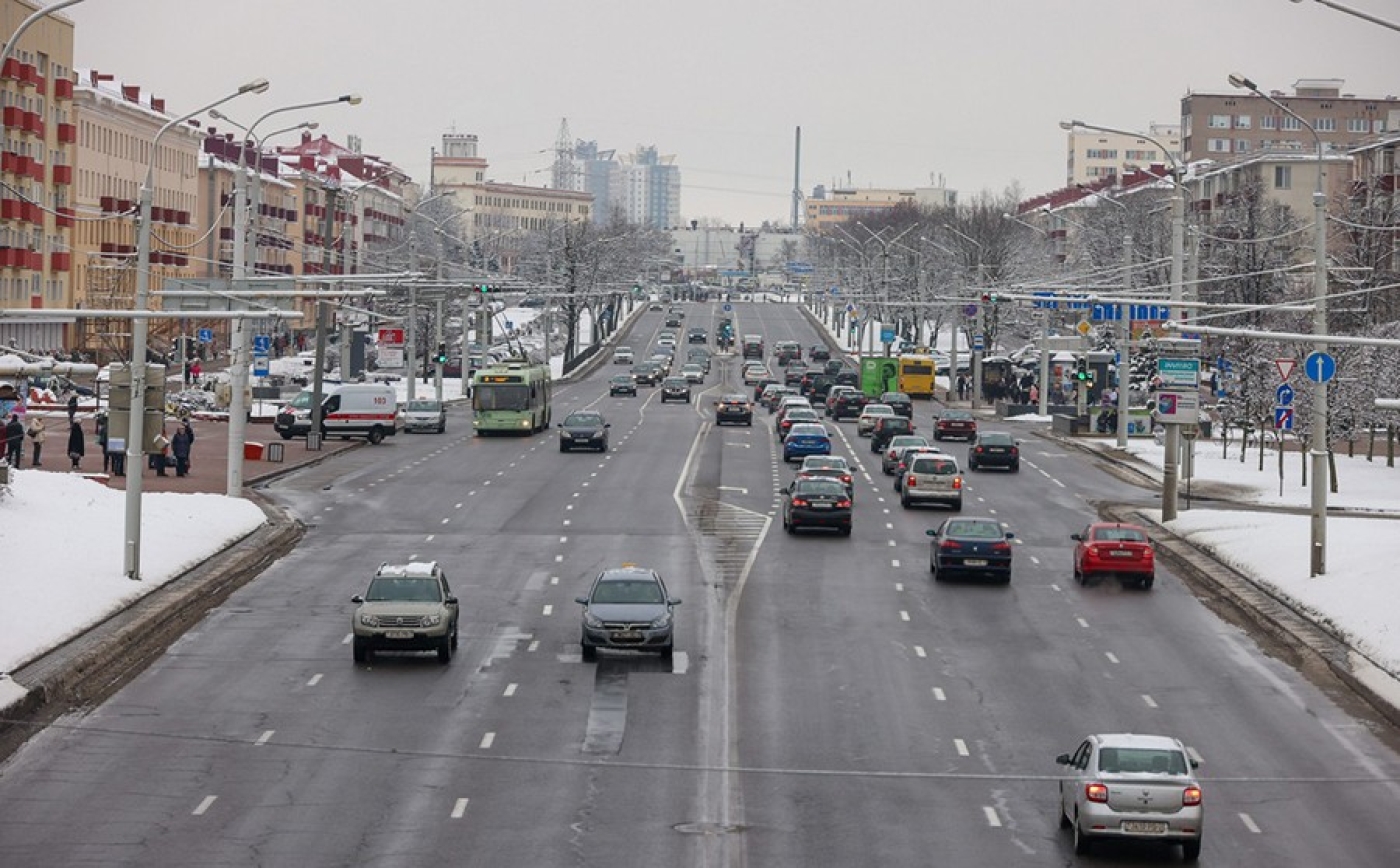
(511, 395)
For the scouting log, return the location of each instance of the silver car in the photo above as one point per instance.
(420, 415)
(932, 479)
(407, 607)
(865, 423)
(1121, 785)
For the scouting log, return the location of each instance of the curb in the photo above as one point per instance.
(1254, 604)
(90, 667)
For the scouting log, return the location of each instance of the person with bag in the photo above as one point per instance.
(36, 436)
(76, 447)
(158, 458)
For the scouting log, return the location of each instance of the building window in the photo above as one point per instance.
(1268, 122)
(1291, 123)
(1283, 177)
(1102, 153)
(1241, 146)
(1378, 126)
(1243, 122)
(1358, 125)
(1326, 125)
(1218, 146)
(1219, 122)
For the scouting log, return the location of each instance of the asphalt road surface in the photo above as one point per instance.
(827, 705)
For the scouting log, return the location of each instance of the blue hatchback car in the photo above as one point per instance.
(806, 439)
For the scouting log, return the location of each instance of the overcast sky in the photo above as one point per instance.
(889, 93)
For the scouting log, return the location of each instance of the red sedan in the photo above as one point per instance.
(954, 423)
(1110, 549)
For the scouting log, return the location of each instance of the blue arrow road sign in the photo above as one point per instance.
(1283, 395)
(262, 344)
(728, 307)
(1320, 367)
(205, 336)
(1283, 418)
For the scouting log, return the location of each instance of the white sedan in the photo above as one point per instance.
(871, 412)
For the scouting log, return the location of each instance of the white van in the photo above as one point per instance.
(370, 410)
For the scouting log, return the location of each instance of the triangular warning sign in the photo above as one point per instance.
(1285, 367)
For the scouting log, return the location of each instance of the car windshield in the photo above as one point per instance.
(400, 589)
(497, 396)
(675, 382)
(622, 378)
(965, 529)
(628, 591)
(735, 399)
(583, 420)
(903, 440)
(1120, 534)
(423, 406)
(1118, 760)
(936, 466)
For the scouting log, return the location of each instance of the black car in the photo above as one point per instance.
(734, 408)
(646, 373)
(847, 405)
(994, 449)
(753, 347)
(762, 384)
(818, 353)
(622, 384)
(970, 547)
(816, 502)
(696, 336)
(793, 375)
(833, 366)
(673, 321)
(675, 389)
(887, 428)
(584, 429)
(902, 404)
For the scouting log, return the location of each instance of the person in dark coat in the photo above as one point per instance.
(180, 447)
(76, 447)
(14, 440)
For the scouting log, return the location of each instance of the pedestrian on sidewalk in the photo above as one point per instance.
(1033, 395)
(180, 444)
(36, 436)
(76, 447)
(195, 371)
(962, 387)
(100, 426)
(157, 459)
(14, 440)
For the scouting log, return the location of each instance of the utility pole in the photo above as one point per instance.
(317, 393)
(1125, 315)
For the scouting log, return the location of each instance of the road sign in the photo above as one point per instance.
(1283, 395)
(1285, 367)
(205, 336)
(970, 310)
(1179, 373)
(1320, 367)
(1182, 408)
(886, 336)
(260, 365)
(1084, 327)
(728, 307)
(262, 344)
(850, 308)
(1283, 418)
(391, 337)
(977, 345)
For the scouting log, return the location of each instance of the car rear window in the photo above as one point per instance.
(936, 466)
(1120, 534)
(1118, 760)
(975, 530)
(819, 486)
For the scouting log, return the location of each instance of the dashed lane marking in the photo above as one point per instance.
(510, 689)
(1083, 623)
(1250, 824)
(903, 615)
(939, 695)
(205, 804)
(961, 747)
(264, 738)
(315, 679)
(1112, 658)
(1149, 701)
(487, 740)
(459, 808)
(548, 610)
(992, 819)
(919, 651)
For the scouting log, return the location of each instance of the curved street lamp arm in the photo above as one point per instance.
(30, 22)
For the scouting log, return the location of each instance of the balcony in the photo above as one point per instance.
(28, 74)
(10, 71)
(8, 161)
(64, 218)
(33, 260)
(13, 117)
(11, 209)
(63, 88)
(36, 171)
(34, 123)
(63, 174)
(60, 261)
(34, 213)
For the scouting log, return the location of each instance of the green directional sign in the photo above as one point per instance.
(1179, 373)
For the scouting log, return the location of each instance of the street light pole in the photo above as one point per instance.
(1364, 16)
(1171, 459)
(135, 429)
(1321, 443)
(979, 325)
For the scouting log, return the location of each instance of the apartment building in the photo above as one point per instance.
(1094, 156)
(117, 126)
(37, 166)
(826, 208)
(1224, 126)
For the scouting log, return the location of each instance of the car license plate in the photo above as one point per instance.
(1139, 827)
(1120, 554)
(821, 506)
(627, 636)
(975, 562)
(398, 634)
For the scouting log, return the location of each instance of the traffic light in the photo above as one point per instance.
(441, 357)
(990, 298)
(1081, 371)
(485, 288)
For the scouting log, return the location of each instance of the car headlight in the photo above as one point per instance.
(661, 621)
(592, 620)
(432, 620)
(524, 423)
(369, 620)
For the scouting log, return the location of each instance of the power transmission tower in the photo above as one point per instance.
(566, 174)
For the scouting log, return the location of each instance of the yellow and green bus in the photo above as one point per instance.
(511, 395)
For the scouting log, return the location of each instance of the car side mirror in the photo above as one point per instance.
(357, 599)
(451, 601)
(1010, 535)
(931, 533)
(558, 424)
(1063, 759)
(581, 600)
(607, 424)
(674, 601)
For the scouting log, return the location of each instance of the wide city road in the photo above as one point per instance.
(827, 704)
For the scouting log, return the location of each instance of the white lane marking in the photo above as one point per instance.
(1151, 703)
(204, 805)
(430, 537)
(570, 506)
(1250, 824)
(1112, 658)
(893, 543)
(315, 679)
(487, 740)
(554, 580)
(903, 615)
(1057, 482)
(961, 747)
(558, 559)
(889, 525)
(898, 586)
(459, 808)
(456, 506)
(446, 520)
(919, 651)
(1191, 752)
(1054, 587)
(585, 485)
(1083, 623)
(487, 482)
(885, 511)
(939, 695)
(563, 539)
(992, 819)
(567, 522)
(264, 738)
(895, 563)
(1034, 559)
(471, 494)
(500, 473)
(548, 610)
(882, 500)
(533, 646)
(348, 638)
(510, 689)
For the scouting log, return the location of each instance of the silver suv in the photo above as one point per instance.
(932, 479)
(424, 415)
(407, 607)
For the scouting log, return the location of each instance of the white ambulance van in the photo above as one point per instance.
(369, 410)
